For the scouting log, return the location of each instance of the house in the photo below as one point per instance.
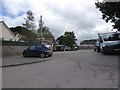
(7, 34)
(19, 37)
(51, 40)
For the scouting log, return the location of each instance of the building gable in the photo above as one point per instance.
(7, 34)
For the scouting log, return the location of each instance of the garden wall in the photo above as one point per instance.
(12, 50)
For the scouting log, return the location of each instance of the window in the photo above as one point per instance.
(32, 47)
(111, 37)
(48, 46)
(39, 46)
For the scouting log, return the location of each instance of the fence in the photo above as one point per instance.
(13, 43)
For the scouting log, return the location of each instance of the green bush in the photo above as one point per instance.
(13, 43)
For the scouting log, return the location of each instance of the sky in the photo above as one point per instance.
(80, 16)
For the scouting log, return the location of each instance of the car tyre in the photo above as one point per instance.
(94, 49)
(103, 51)
(24, 54)
(98, 50)
(50, 55)
(42, 55)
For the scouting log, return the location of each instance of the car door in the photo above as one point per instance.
(32, 51)
(100, 42)
(39, 49)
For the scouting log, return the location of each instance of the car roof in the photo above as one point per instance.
(108, 33)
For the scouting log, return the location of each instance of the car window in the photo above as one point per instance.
(39, 46)
(32, 47)
(48, 46)
(111, 37)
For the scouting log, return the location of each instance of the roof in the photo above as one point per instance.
(7, 27)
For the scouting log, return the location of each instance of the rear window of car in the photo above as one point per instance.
(32, 47)
(49, 46)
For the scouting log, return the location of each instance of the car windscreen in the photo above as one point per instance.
(111, 37)
(48, 46)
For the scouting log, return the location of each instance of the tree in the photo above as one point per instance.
(46, 33)
(29, 21)
(68, 39)
(43, 31)
(110, 12)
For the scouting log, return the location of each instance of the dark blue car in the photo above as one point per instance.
(38, 50)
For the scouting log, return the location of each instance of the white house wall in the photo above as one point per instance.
(16, 38)
(6, 34)
(0, 31)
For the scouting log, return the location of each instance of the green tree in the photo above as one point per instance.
(110, 12)
(29, 21)
(43, 31)
(68, 39)
(46, 32)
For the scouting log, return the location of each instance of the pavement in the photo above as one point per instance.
(9, 61)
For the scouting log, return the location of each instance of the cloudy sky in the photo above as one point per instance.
(79, 16)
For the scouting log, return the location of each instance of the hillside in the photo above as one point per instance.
(25, 33)
(91, 41)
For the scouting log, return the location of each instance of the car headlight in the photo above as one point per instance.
(106, 44)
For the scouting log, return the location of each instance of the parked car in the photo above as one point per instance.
(109, 42)
(38, 50)
(60, 48)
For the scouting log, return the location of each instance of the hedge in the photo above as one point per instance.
(15, 43)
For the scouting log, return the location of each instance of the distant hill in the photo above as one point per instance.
(91, 41)
(25, 33)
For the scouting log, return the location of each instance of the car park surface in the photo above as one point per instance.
(68, 69)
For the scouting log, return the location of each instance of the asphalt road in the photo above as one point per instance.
(75, 69)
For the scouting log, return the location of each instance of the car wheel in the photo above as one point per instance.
(25, 54)
(98, 50)
(103, 51)
(42, 55)
(50, 55)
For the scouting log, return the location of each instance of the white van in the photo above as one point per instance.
(109, 42)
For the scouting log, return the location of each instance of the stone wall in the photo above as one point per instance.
(17, 50)
(86, 47)
(12, 50)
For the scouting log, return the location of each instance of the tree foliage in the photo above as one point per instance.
(29, 21)
(110, 12)
(46, 32)
(43, 31)
(68, 39)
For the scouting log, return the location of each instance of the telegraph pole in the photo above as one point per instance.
(40, 25)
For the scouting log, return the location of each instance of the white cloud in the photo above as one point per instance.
(79, 16)
(13, 22)
(15, 6)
